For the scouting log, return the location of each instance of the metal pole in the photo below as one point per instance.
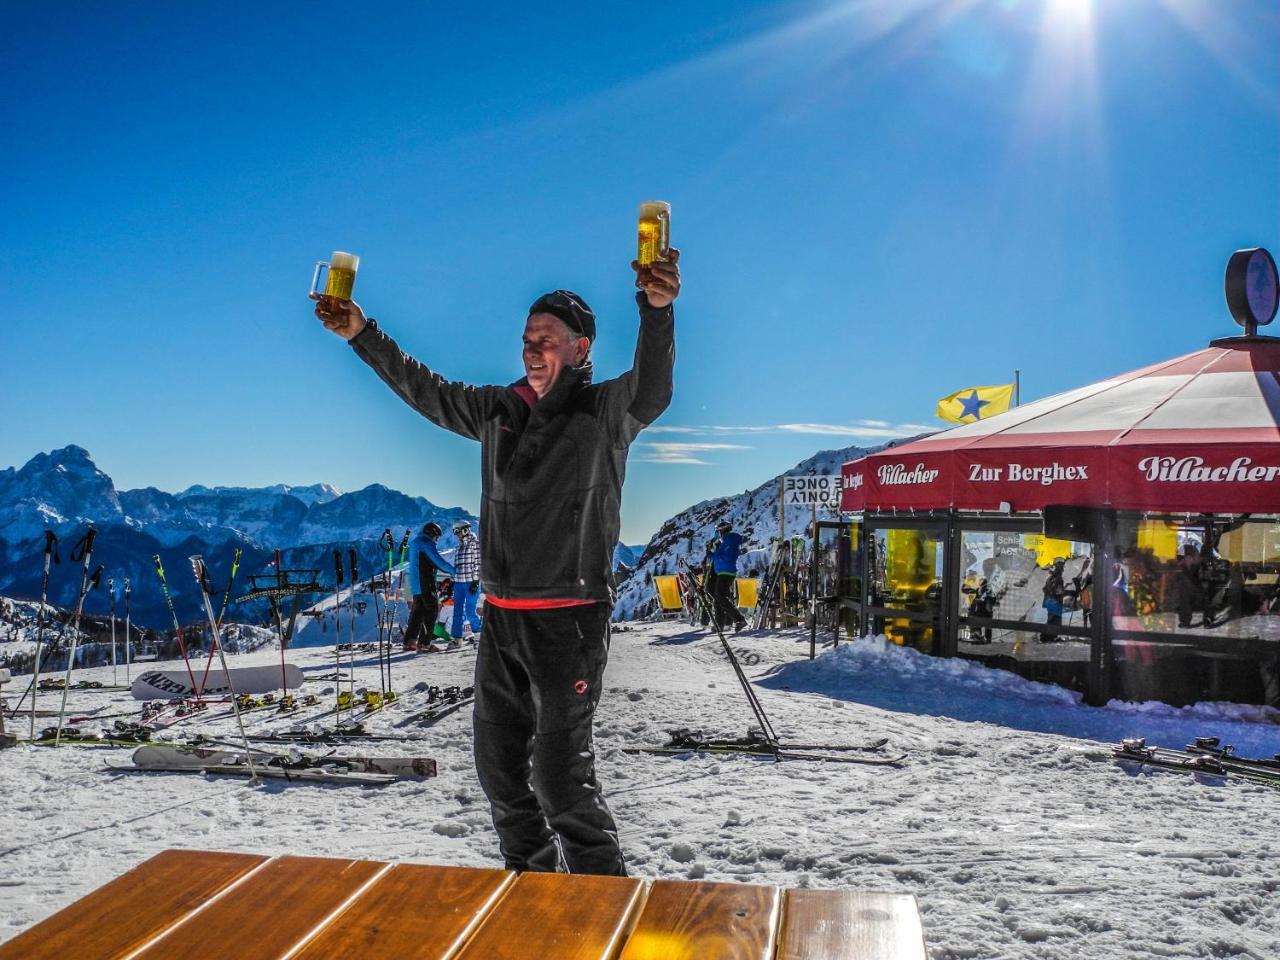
(87, 583)
(1017, 388)
(813, 589)
(50, 550)
(201, 575)
(111, 597)
(782, 510)
(127, 625)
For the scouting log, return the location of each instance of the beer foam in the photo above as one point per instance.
(653, 208)
(344, 261)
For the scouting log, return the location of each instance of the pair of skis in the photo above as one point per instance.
(440, 703)
(769, 587)
(1206, 758)
(761, 741)
(225, 760)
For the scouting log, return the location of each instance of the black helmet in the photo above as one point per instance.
(432, 529)
(724, 526)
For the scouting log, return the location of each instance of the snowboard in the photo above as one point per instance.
(174, 684)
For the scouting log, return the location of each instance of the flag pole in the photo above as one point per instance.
(1017, 388)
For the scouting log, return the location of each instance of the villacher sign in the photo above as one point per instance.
(1193, 470)
(897, 475)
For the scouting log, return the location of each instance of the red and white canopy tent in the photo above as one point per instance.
(1196, 434)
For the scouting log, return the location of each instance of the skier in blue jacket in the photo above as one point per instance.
(424, 561)
(724, 552)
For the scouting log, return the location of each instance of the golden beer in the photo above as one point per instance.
(655, 231)
(342, 275)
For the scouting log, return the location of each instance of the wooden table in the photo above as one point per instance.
(193, 904)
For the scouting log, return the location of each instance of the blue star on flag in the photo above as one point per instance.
(972, 405)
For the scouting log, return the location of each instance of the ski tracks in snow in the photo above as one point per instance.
(1018, 844)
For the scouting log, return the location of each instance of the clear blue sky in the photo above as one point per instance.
(878, 203)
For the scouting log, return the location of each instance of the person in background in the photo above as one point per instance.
(981, 604)
(466, 585)
(1054, 592)
(424, 561)
(724, 573)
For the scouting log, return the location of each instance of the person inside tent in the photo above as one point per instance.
(424, 562)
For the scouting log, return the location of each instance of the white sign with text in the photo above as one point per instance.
(818, 489)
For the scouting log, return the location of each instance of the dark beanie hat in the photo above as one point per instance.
(569, 307)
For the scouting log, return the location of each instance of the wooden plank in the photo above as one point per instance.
(555, 916)
(270, 913)
(412, 911)
(132, 909)
(705, 921)
(850, 925)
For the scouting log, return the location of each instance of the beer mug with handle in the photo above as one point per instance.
(340, 278)
(655, 231)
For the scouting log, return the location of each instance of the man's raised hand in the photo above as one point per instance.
(343, 317)
(660, 280)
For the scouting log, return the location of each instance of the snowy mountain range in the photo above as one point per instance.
(65, 491)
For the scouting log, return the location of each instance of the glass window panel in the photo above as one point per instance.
(907, 576)
(1032, 579)
(1205, 591)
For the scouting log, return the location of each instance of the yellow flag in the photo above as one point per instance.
(975, 403)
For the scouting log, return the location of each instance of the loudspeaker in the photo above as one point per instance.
(1083, 524)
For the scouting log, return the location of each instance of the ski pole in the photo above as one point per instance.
(756, 707)
(201, 574)
(337, 629)
(231, 579)
(395, 604)
(351, 621)
(111, 599)
(82, 551)
(275, 610)
(235, 564)
(388, 542)
(197, 692)
(127, 625)
(50, 551)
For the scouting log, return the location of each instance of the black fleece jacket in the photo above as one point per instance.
(551, 485)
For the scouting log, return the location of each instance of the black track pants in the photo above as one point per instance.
(726, 612)
(422, 617)
(538, 675)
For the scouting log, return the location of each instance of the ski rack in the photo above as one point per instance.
(281, 583)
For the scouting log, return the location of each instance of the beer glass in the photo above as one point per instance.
(655, 231)
(341, 275)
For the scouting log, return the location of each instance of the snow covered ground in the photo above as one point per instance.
(1009, 821)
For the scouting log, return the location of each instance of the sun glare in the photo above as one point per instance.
(1072, 12)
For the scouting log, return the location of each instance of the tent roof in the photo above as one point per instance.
(1200, 432)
